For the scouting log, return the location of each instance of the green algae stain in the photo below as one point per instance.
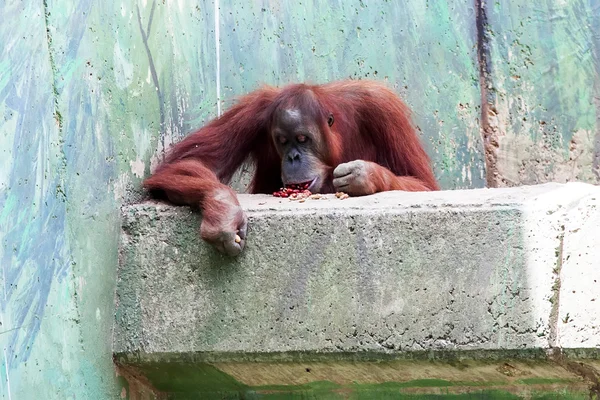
(188, 378)
(544, 381)
(183, 381)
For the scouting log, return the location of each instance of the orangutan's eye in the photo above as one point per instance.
(301, 138)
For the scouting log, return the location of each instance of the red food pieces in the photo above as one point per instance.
(294, 191)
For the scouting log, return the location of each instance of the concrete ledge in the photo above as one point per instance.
(480, 275)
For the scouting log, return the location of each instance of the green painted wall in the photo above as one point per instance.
(425, 50)
(92, 91)
(544, 88)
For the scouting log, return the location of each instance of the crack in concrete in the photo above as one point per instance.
(555, 299)
(588, 373)
(161, 100)
(60, 189)
(489, 124)
(57, 114)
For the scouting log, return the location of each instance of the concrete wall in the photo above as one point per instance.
(92, 91)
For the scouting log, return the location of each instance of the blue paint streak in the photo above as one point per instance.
(33, 214)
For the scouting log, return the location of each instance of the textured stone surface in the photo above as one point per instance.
(394, 272)
(579, 318)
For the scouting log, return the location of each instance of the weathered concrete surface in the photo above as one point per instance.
(474, 274)
(579, 318)
(541, 91)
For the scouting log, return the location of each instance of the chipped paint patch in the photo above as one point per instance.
(138, 168)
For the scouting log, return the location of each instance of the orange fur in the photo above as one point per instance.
(371, 123)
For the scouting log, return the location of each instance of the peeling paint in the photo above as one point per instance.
(138, 168)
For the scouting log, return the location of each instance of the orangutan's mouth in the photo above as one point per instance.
(308, 185)
(299, 186)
